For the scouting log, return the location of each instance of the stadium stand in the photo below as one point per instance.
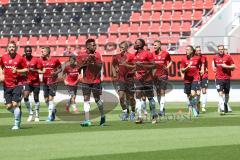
(70, 22)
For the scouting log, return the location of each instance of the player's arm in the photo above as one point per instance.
(214, 66)
(184, 69)
(22, 68)
(58, 68)
(1, 71)
(114, 68)
(231, 66)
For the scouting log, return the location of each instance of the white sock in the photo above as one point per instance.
(204, 100)
(17, 113)
(37, 105)
(139, 107)
(51, 107)
(29, 107)
(162, 103)
(221, 102)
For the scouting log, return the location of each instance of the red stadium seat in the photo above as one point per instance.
(145, 17)
(15, 39)
(52, 40)
(135, 17)
(147, 6)
(23, 41)
(186, 27)
(198, 4)
(177, 5)
(42, 41)
(165, 27)
(102, 40)
(59, 51)
(133, 38)
(197, 15)
(187, 15)
(20, 50)
(156, 16)
(155, 28)
(2, 51)
(72, 40)
(188, 5)
(174, 38)
(123, 28)
(176, 26)
(113, 28)
(157, 5)
(113, 38)
(168, 5)
(177, 16)
(164, 38)
(81, 40)
(208, 4)
(144, 28)
(33, 41)
(62, 41)
(38, 52)
(166, 16)
(3, 42)
(134, 28)
(122, 38)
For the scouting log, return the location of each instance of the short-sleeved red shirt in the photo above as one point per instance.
(90, 74)
(192, 74)
(161, 60)
(11, 79)
(72, 74)
(223, 73)
(51, 65)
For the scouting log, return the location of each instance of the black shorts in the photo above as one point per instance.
(223, 85)
(123, 86)
(188, 87)
(161, 83)
(145, 87)
(72, 90)
(95, 89)
(31, 88)
(204, 83)
(50, 90)
(13, 94)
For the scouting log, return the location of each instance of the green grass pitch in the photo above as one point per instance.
(175, 137)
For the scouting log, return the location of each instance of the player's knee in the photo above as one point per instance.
(9, 106)
(14, 104)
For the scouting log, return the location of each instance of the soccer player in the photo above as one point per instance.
(91, 63)
(71, 78)
(123, 77)
(204, 77)
(223, 65)
(13, 65)
(144, 63)
(32, 84)
(160, 73)
(50, 78)
(190, 68)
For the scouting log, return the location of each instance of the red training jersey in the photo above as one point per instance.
(142, 57)
(51, 65)
(161, 60)
(90, 61)
(72, 74)
(123, 73)
(33, 65)
(222, 73)
(11, 79)
(192, 73)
